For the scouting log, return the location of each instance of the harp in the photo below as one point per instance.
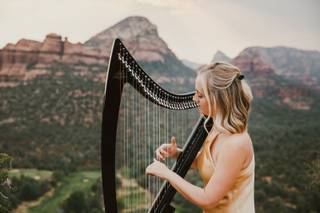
(124, 71)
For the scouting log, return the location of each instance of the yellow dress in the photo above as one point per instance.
(240, 199)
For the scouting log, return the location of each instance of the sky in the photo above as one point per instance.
(193, 29)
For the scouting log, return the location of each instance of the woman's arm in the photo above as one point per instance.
(231, 159)
(194, 162)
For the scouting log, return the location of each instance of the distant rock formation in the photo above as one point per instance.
(141, 37)
(138, 34)
(250, 62)
(191, 64)
(272, 72)
(27, 58)
(220, 56)
(261, 67)
(299, 65)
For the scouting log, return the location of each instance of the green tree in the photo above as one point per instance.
(76, 203)
(30, 189)
(5, 189)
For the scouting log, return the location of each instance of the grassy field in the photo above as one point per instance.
(76, 181)
(34, 173)
(132, 198)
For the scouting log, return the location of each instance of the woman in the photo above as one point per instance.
(226, 159)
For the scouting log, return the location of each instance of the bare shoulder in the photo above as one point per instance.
(238, 147)
(237, 144)
(240, 142)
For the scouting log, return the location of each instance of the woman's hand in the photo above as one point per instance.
(158, 169)
(167, 150)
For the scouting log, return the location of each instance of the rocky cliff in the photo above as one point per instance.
(220, 56)
(27, 58)
(272, 76)
(138, 34)
(294, 64)
(279, 72)
(141, 37)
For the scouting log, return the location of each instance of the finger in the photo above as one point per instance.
(165, 147)
(159, 155)
(149, 173)
(164, 152)
(159, 152)
(173, 141)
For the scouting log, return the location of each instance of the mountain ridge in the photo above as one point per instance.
(28, 59)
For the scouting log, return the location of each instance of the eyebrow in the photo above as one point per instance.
(199, 92)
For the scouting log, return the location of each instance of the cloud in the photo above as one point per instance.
(166, 4)
(185, 25)
(174, 6)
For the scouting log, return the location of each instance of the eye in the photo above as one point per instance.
(200, 95)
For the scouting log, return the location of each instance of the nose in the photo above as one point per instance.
(195, 98)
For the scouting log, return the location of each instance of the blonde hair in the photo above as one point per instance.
(227, 95)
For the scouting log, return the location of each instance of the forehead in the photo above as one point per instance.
(198, 84)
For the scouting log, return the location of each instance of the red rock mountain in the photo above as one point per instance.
(220, 56)
(272, 74)
(279, 71)
(299, 65)
(27, 58)
(141, 37)
(138, 34)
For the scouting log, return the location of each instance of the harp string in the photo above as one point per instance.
(137, 143)
(159, 137)
(145, 145)
(144, 127)
(156, 139)
(124, 123)
(149, 142)
(133, 149)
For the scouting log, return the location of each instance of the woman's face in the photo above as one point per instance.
(200, 99)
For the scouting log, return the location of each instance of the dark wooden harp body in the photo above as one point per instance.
(134, 75)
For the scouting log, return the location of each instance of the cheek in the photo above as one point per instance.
(204, 107)
(204, 104)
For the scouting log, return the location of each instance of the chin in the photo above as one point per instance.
(202, 113)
